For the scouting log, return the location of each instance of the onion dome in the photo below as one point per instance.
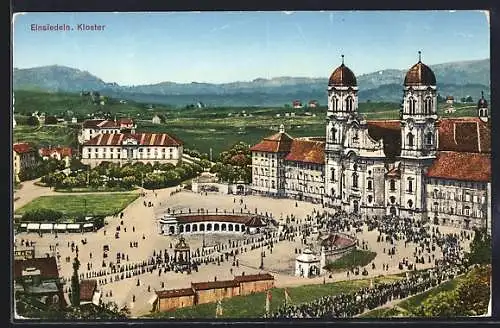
(482, 103)
(342, 77)
(420, 75)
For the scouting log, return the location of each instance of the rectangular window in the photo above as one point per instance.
(410, 186)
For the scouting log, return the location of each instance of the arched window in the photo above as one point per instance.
(335, 103)
(332, 192)
(412, 104)
(355, 180)
(392, 199)
(272, 184)
(333, 133)
(410, 203)
(410, 140)
(410, 185)
(332, 174)
(370, 198)
(348, 104)
(428, 139)
(370, 185)
(392, 184)
(428, 105)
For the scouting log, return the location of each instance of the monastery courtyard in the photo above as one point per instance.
(143, 220)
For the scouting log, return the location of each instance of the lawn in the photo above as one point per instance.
(101, 204)
(355, 258)
(253, 306)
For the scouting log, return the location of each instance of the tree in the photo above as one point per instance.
(480, 248)
(470, 297)
(75, 284)
(33, 121)
(474, 292)
(439, 305)
(50, 120)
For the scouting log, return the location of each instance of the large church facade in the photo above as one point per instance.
(420, 166)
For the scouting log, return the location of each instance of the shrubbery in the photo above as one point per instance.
(42, 215)
(114, 176)
(41, 168)
(471, 297)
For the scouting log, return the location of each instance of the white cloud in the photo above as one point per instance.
(465, 35)
(223, 27)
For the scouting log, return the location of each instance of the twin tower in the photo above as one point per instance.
(418, 114)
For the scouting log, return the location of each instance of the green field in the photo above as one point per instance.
(43, 135)
(200, 128)
(253, 306)
(355, 258)
(100, 204)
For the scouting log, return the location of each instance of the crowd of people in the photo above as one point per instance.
(355, 303)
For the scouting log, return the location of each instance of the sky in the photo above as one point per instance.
(219, 47)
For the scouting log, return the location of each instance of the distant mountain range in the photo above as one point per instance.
(455, 78)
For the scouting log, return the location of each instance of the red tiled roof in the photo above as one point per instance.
(103, 124)
(46, 265)
(126, 121)
(337, 240)
(175, 293)
(307, 151)
(22, 147)
(279, 142)
(254, 277)
(468, 134)
(63, 151)
(242, 219)
(143, 139)
(214, 284)
(390, 131)
(255, 222)
(92, 123)
(461, 166)
(87, 289)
